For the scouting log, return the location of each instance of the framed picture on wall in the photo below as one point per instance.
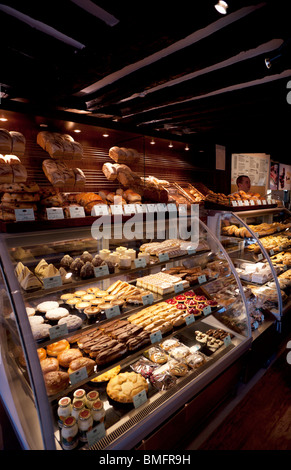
(274, 175)
(284, 177)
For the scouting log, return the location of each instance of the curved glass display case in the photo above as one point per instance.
(145, 324)
(259, 242)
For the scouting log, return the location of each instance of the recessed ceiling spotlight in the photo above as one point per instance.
(171, 145)
(221, 7)
(105, 134)
(187, 147)
(152, 142)
(3, 119)
(77, 130)
(43, 125)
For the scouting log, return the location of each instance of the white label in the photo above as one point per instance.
(202, 279)
(234, 203)
(179, 287)
(240, 203)
(116, 209)
(260, 256)
(271, 252)
(227, 340)
(112, 312)
(140, 262)
(54, 213)
(259, 202)
(100, 209)
(141, 208)
(189, 319)
(80, 374)
(191, 251)
(161, 207)
(148, 299)
(100, 271)
(152, 208)
(252, 203)
(58, 330)
(172, 208)
(163, 257)
(23, 214)
(156, 337)
(76, 211)
(139, 399)
(50, 282)
(207, 310)
(95, 434)
(246, 203)
(264, 202)
(129, 209)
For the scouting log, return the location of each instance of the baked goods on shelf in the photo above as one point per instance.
(124, 155)
(125, 386)
(60, 145)
(12, 142)
(56, 381)
(59, 174)
(272, 242)
(260, 230)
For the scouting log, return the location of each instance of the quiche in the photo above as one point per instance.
(125, 386)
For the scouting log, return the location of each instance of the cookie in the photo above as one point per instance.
(56, 314)
(73, 322)
(46, 306)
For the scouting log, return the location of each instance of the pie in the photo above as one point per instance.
(125, 386)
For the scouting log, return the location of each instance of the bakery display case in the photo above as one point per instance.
(259, 242)
(103, 340)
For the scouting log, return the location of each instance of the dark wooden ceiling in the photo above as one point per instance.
(177, 69)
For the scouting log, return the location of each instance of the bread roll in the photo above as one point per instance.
(18, 143)
(110, 172)
(49, 364)
(131, 196)
(56, 381)
(56, 348)
(67, 356)
(81, 362)
(6, 174)
(5, 142)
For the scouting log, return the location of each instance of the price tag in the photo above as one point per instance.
(100, 271)
(50, 282)
(234, 203)
(54, 213)
(76, 212)
(172, 208)
(162, 207)
(80, 374)
(163, 257)
(152, 208)
(260, 256)
(116, 209)
(189, 319)
(264, 202)
(246, 203)
(255, 325)
(207, 310)
(252, 202)
(23, 214)
(191, 251)
(148, 299)
(58, 330)
(140, 262)
(139, 399)
(95, 434)
(156, 337)
(99, 209)
(259, 202)
(240, 203)
(179, 287)
(271, 252)
(141, 208)
(227, 340)
(129, 209)
(112, 312)
(202, 279)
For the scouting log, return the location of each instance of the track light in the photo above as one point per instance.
(282, 53)
(187, 147)
(221, 7)
(170, 145)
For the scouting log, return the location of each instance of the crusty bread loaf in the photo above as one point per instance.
(18, 143)
(110, 172)
(123, 155)
(6, 174)
(5, 142)
(18, 170)
(52, 172)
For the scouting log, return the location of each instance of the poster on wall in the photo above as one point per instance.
(284, 177)
(274, 175)
(255, 166)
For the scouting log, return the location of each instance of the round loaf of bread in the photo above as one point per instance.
(49, 364)
(81, 362)
(56, 381)
(67, 356)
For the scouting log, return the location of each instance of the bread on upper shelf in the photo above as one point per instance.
(123, 155)
(59, 145)
(59, 174)
(12, 142)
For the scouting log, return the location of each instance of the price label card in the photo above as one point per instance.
(163, 257)
(116, 209)
(24, 214)
(140, 262)
(189, 319)
(76, 212)
(207, 310)
(80, 374)
(271, 252)
(255, 325)
(246, 203)
(252, 203)
(156, 337)
(58, 330)
(152, 208)
(100, 209)
(179, 287)
(172, 208)
(227, 340)
(95, 434)
(148, 299)
(259, 202)
(129, 209)
(264, 202)
(240, 203)
(50, 282)
(202, 279)
(141, 208)
(100, 271)
(139, 399)
(112, 312)
(54, 213)
(260, 256)
(234, 203)
(191, 251)
(161, 207)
